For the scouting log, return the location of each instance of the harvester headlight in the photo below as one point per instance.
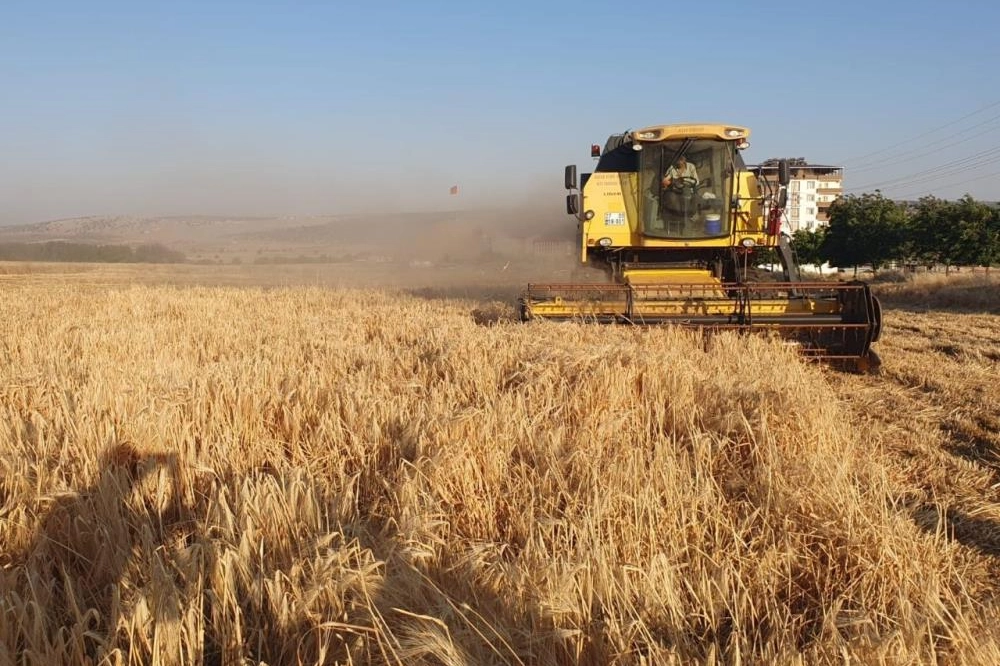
(589, 215)
(636, 147)
(604, 242)
(743, 145)
(733, 132)
(748, 242)
(648, 135)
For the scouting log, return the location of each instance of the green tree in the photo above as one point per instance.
(866, 229)
(808, 244)
(993, 234)
(977, 231)
(955, 233)
(934, 236)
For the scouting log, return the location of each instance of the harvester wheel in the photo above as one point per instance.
(876, 319)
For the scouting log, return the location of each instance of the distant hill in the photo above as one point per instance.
(119, 228)
(423, 234)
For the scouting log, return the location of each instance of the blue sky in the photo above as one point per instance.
(325, 107)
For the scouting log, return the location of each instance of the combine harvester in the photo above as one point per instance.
(678, 222)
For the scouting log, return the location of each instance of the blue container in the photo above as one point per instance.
(713, 224)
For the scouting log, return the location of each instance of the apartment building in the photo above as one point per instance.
(811, 190)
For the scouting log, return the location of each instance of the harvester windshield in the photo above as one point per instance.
(685, 184)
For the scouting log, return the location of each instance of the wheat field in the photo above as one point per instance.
(344, 475)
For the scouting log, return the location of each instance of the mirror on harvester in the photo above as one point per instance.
(572, 204)
(571, 177)
(783, 175)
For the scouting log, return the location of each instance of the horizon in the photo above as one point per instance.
(345, 216)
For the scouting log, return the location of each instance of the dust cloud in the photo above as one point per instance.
(487, 240)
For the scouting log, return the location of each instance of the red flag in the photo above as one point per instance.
(454, 189)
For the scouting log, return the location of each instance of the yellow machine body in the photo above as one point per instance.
(677, 221)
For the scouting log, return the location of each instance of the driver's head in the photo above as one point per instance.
(681, 161)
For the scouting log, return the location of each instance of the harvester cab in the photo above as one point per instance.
(678, 223)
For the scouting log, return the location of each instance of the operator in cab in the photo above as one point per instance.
(681, 171)
(677, 203)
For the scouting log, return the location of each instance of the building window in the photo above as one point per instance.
(795, 213)
(810, 197)
(794, 186)
(810, 211)
(810, 184)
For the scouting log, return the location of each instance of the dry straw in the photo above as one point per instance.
(307, 475)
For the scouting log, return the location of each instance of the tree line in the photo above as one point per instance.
(871, 230)
(86, 253)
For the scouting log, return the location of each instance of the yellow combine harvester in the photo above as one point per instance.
(678, 222)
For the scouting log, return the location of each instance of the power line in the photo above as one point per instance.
(947, 168)
(959, 166)
(953, 172)
(932, 178)
(894, 159)
(954, 184)
(920, 136)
